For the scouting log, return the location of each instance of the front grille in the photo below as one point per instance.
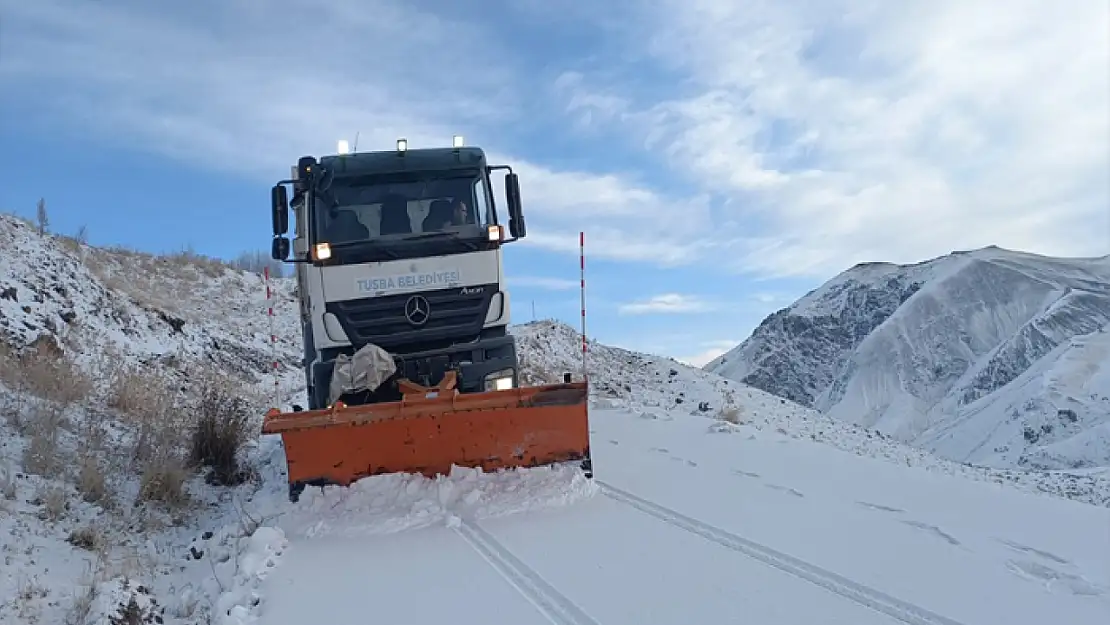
(381, 320)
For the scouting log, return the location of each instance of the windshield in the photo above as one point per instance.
(393, 207)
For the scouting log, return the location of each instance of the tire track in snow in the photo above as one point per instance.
(558, 609)
(842, 586)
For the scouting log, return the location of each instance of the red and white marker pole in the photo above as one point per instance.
(273, 337)
(582, 270)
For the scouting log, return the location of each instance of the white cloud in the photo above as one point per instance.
(230, 87)
(712, 350)
(623, 219)
(667, 303)
(814, 134)
(881, 131)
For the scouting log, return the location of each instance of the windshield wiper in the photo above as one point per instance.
(375, 240)
(388, 247)
(345, 244)
(431, 235)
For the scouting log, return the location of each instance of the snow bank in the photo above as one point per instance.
(376, 505)
(392, 503)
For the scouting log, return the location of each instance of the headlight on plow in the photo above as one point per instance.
(501, 380)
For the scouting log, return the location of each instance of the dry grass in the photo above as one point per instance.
(30, 592)
(89, 538)
(105, 427)
(154, 404)
(10, 370)
(208, 405)
(176, 421)
(150, 404)
(50, 372)
(91, 482)
(47, 385)
(163, 480)
(54, 503)
(75, 244)
(45, 371)
(99, 570)
(7, 484)
(155, 281)
(144, 396)
(82, 605)
(41, 456)
(730, 414)
(223, 419)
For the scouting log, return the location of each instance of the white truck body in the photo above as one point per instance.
(434, 295)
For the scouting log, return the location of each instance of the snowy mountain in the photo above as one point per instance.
(991, 356)
(110, 358)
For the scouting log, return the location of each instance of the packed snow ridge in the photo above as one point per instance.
(992, 357)
(108, 359)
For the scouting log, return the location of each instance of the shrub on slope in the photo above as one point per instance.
(127, 380)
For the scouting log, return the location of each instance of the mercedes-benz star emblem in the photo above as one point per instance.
(417, 310)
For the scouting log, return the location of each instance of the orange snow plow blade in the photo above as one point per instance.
(430, 429)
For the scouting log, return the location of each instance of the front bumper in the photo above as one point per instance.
(473, 361)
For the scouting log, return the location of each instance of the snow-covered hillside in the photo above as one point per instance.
(991, 357)
(108, 359)
(92, 300)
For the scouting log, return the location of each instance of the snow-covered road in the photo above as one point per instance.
(692, 520)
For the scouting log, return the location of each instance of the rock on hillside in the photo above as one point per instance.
(990, 356)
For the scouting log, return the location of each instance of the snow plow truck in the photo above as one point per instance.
(408, 362)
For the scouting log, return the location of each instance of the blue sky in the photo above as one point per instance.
(723, 157)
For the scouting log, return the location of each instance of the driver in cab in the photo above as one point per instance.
(443, 214)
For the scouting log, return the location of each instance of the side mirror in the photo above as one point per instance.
(516, 213)
(279, 249)
(279, 206)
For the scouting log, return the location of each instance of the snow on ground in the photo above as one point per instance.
(546, 546)
(741, 524)
(655, 384)
(76, 550)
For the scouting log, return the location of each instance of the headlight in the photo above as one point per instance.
(499, 380)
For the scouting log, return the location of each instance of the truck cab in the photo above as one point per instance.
(401, 249)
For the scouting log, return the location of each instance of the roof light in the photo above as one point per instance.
(457, 141)
(344, 147)
(402, 145)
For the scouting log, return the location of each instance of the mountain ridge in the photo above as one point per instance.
(915, 349)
